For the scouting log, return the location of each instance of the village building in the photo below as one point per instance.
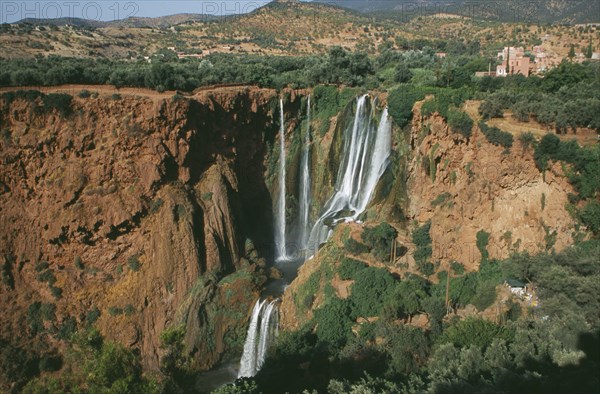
(514, 62)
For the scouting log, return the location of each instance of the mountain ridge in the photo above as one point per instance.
(537, 11)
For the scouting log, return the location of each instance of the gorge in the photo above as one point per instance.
(153, 212)
(366, 147)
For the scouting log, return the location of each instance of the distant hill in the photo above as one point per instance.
(531, 11)
(139, 22)
(63, 22)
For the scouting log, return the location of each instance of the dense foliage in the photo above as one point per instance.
(166, 72)
(566, 98)
(582, 173)
(93, 365)
(551, 347)
(379, 239)
(496, 136)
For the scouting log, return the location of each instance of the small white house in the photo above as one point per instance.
(516, 286)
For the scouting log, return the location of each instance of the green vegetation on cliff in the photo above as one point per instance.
(550, 347)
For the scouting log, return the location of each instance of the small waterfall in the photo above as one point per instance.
(248, 361)
(263, 327)
(280, 241)
(304, 198)
(366, 151)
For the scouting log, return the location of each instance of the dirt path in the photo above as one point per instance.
(74, 90)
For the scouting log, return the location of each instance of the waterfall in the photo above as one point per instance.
(280, 241)
(364, 157)
(304, 198)
(366, 150)
(248, 362)
(263, 327)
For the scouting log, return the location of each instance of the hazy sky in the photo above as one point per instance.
(106, 10)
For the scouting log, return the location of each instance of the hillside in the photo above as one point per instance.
(539, 11)
(278, 29)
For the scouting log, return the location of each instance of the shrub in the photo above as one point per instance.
(34, 319)
(84, 93)
(496, 136)
(50, 363)
(527, 140)
(380, 239)
(39, 267)
(546, 149)
(401, 102)
(92, 316)
(474, 331)
(370, 290)
(440, 199)
(173, 362)
(485, 295)
(67, 328)
(134, 263)
(78, 263)
(56, 292)
(422, 240)
(156, 204)
(334, 322)
(457, 268)
(47, 276)
(590, 215)
(7, 276)
(48, 312)
(425, 267)
(350, 268)
(483, 238)
(116, 96)
(60, 102)
(129, 310)
(460, 122)
(114, 311)
(206, 196)
(491, 108)
(354, 247)
(402, 73)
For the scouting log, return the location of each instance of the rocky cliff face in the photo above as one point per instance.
(462, 186)
(147, 209)
(157, 212)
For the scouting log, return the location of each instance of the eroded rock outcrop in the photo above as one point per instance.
(142, 208)
(467, 185)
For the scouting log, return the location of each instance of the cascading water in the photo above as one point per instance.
(248, 361)
(366, 150)
(365, 157)
(280, 236)
(261, 332)
(304, 198)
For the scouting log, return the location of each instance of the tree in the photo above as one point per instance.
(546, 149)
(460, 122)
(590, 215)
(402, 74)
(380, 239)
(571, 54)
(334, 322)
(370, 291)
(474, 331)
(491, 108)
(482, 240)
(590, 50)
(408, 296)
